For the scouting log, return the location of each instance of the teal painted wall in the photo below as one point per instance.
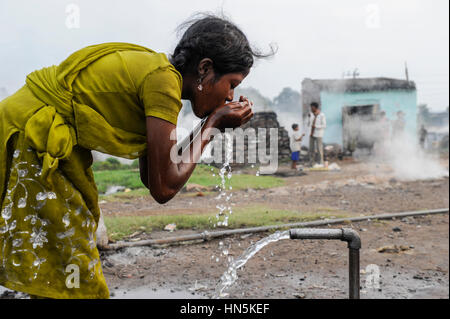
(390, 101)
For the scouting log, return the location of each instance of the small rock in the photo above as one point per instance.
(195, 188)
(396, 229)
(170, 227)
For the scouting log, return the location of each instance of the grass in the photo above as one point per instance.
(253, 216)
(122, 196)
(203, 175)
(127, 178)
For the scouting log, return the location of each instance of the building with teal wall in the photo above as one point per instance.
(378, 94)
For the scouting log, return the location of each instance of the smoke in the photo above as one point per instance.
(378, 142)
(410, 162)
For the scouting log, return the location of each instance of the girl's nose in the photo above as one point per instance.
(230, 96)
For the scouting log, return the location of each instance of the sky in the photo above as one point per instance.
(317, 39)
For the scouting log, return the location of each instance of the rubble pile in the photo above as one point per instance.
(269, 120)
(265, 120)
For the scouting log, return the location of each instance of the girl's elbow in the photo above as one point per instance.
(163, 196)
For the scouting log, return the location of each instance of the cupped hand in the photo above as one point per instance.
(233, 114)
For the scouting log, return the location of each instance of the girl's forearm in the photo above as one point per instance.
(178, 172)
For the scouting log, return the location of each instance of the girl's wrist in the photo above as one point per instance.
(212, 121)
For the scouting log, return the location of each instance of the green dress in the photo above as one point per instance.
(97, 99)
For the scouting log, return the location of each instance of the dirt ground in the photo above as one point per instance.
(415, 262)
(357, 189)
(293, 269)
(301, 269)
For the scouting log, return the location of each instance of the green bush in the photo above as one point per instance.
(135, 164)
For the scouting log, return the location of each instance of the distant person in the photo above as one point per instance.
(383, 134)
(317, 123)
(296, 145)
(423, 134)
(398, 126)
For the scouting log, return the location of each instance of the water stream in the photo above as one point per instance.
(225, 210)
(230, 276)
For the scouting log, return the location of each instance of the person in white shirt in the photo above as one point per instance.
(317, 123)
(296, 145)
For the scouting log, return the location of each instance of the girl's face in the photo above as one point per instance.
(215, 92)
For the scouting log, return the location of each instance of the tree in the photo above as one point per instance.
(288, 100)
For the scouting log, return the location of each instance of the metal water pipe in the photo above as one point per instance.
(354, 245)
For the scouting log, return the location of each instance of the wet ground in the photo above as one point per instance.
(415, 264)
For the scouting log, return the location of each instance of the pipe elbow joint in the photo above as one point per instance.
(352, 238)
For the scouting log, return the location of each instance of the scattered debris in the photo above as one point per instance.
(170, 228)
(279, 275)
(334, 167)
(114, 189)
(195, 188)
(198, 287)
(393, 249)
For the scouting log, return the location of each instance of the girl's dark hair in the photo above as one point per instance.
(208, 36)
(294, 126)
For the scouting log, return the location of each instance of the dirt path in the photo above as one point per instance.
(356, 189)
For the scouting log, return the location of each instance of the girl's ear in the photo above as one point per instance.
(205, 67)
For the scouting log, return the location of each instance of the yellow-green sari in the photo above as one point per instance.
(97, 99)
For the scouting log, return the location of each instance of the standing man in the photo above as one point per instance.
(318, 123)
